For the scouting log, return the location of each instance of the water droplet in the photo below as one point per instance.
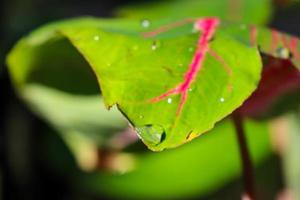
(154, 46)
(169, 100)
(283, 53)
(191, 49)
(96, 37)
(222, 100)
(151, 134)
(146, 23)
(141, 116)
(190, 89)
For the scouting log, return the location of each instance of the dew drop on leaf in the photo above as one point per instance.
(154, 46)
(169, 100)
(151, 134)
(283, 53)
(146, 23)
(222, 100)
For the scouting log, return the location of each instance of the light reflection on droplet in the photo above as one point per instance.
(283, 53)
(146, 23)
(154, 46)
(222, 100)
(169, 100)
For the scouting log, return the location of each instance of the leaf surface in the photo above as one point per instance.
(133, 70)
(246, 11)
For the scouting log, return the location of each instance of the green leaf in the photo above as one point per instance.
(247, 11)
(131, 70)
(278, 91)
(270, 42)
(291, 162)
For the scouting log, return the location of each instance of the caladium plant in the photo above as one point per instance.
(173, 80)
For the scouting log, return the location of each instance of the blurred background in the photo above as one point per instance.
(36, 163)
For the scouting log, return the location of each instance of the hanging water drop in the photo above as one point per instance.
(151, 134)
(146, 23)
(169, 100)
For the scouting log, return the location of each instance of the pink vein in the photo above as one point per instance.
(208, 28)
(167, 27)
(274, 41)
(253, 36)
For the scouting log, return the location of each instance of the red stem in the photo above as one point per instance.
(245, 157)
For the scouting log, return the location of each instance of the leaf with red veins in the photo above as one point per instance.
(207, 27)
(206, 85)
(270, 41)
(280, 81)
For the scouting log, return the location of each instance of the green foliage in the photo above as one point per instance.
(130, 72)
(197, 168)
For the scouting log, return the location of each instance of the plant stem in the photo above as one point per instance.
(245, 157)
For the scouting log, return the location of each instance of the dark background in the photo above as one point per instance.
(22, 175)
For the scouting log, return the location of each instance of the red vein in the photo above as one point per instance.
(226, 67)
(235, 7)
(275, 40)
(167, 27)
(208, 27)
(253, 35)
(294, 43)
(285, 41)
(291, 45)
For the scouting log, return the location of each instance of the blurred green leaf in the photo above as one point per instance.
(292, 154)
(202, 167)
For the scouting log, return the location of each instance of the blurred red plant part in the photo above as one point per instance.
(279, 77)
